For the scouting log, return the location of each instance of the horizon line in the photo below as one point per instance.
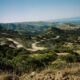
(48, 20)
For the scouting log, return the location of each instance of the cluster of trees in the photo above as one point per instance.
(7, 54)
(21, 60)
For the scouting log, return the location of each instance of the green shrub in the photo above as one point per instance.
(72, 57)
(32, 61)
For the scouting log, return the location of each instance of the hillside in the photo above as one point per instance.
(30, 28)
(40, 51)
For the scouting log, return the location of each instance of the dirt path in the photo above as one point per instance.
(64, 54)
(18, 45)
(34, 45)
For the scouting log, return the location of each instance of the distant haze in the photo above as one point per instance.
(37, 10)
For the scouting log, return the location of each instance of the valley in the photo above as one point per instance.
(40, 50)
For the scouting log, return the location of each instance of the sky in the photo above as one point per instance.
(37, 10)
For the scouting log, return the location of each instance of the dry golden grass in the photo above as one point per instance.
(71, 72)
(67, 73)
(7, 76)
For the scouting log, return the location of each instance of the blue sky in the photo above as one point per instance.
(38, 10)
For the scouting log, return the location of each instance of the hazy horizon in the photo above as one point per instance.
(37, 10)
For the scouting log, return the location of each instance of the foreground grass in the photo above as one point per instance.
(68, 72)
(55, 71)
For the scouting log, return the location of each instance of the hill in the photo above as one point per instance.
(41, 50)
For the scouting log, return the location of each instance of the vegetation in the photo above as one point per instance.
(62, 44)
(71, 58)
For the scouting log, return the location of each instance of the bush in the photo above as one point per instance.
(20, 60)
(33, 61)
(71, 57)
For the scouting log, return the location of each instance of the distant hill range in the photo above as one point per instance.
(65, 20)
(35, 28)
